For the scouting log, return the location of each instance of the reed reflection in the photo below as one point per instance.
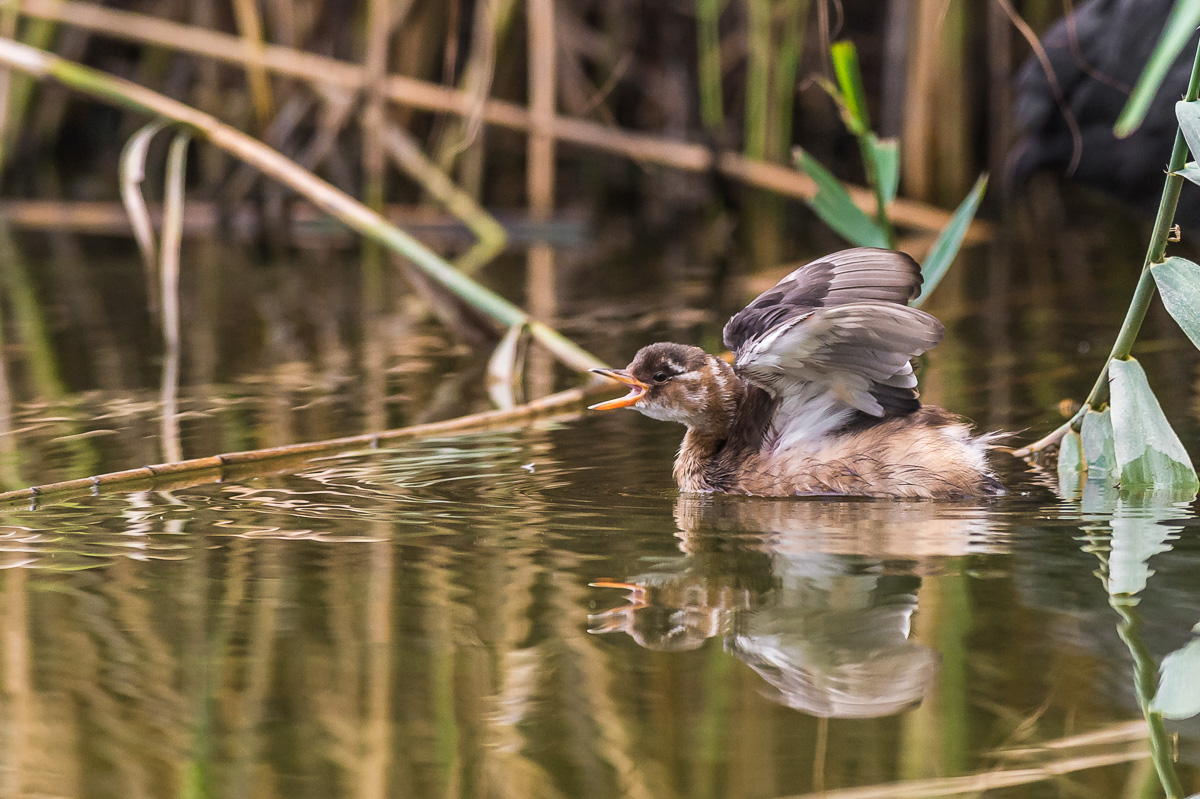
(818, 598)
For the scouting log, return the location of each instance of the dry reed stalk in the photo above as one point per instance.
(251, 29)
(539, 15)
(431, 97)
(8, 30)
(977, 783)
(1125, 732)
(921, 101)
(286, 458)
(379, 33)
(106, 217)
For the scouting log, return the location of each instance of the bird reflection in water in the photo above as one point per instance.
(817, 597)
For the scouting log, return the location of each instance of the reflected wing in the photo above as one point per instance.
(841, 322)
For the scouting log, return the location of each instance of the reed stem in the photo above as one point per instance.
(708, 47)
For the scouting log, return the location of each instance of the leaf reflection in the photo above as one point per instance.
(1125, 534)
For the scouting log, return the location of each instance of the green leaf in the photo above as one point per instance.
(836, 209)
(1178, 694)
(886, 154)
(1148, 451)
(1178, 281)
(945, 249)
(1190, 171)
(1184, 18)
(1188, 115)
(1099, 448)
(849, 79)
(1070, 465)
(1070, 454)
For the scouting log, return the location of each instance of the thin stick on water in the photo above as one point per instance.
(275, 460)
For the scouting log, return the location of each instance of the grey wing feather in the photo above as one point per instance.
(842, 321)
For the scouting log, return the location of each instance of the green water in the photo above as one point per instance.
(538, 612)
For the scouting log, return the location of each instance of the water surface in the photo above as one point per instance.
(537, 611)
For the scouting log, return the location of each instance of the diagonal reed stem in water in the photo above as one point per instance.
(334, 201)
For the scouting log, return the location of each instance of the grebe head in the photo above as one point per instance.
(675, 383)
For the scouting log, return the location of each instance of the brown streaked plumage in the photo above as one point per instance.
(821, 397)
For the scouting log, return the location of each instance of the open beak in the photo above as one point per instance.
(636, 389)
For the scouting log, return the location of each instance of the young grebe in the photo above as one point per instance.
(821, 397)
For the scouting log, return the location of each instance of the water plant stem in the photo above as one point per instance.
(1145, 673)
(270, 162)
(1144, 292)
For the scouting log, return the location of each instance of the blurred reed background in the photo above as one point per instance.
(526, 106)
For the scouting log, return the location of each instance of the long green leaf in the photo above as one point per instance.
(1178, 694)
(945, 249)
(1148, 451)
(849, 79)
(1184, 18)
(1178, 282)
(836, 209)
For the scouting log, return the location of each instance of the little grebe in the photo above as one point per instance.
(821, 397)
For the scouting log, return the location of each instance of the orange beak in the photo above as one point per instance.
(636, 389)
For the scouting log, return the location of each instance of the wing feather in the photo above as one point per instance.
(842, 321)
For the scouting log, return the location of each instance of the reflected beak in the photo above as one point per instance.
(636, 389)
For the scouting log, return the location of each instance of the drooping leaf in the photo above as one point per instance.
(945, 249)
(1184, 18)
(1070, 454)
(133, 171)
(1178, 282)
(1149, 453)
(504, 368)
(850, 85)
(1099, 448)
(1188, 115)
(833, 204)
(1178, 694)
(1190, 171)
(886, 154)
(1070, 465)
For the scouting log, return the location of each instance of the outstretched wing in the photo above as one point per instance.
(841, 322)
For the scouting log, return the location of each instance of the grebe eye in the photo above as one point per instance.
(660, 377)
